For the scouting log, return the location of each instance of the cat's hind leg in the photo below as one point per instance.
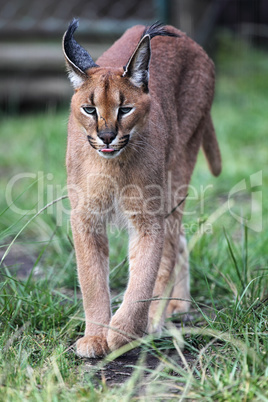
(181, 289)
(173, 281)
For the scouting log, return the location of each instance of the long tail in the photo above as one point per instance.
(211, 147)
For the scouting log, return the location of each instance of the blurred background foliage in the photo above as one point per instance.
(31, 63)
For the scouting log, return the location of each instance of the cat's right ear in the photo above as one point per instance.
(78, 60)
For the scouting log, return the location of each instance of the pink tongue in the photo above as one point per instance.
(107, 150)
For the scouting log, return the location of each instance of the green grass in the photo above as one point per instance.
(42, 316)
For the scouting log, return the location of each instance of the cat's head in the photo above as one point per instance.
(109, 105)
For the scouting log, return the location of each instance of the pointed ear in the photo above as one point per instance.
(137, 68)
(78, 60)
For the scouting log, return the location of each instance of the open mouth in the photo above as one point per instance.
(108, 150)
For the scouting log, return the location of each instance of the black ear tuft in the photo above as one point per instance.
(77, 58)
(158, 29)
(76, 54)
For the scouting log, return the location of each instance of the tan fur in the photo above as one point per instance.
(168, 126)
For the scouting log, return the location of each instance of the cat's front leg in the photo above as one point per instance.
(92, 255)
(131, 319)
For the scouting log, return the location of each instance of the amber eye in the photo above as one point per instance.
(89, 109)
(124, 110)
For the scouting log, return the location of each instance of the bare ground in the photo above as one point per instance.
(120, 370)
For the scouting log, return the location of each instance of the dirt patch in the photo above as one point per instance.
(120, 370)
(19, 261)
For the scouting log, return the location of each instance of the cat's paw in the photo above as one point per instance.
(123, 331)
(155, 326)
(119, 335)
(156, 319)
(115, 340)
(92, 346)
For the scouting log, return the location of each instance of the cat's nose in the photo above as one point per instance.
(107, 136)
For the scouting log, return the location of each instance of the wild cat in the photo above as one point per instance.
(138, 118)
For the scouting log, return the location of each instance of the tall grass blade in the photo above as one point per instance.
(233, 259)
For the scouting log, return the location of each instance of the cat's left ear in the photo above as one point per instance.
(137, 68)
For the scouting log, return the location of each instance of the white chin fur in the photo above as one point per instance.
(108, 155)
